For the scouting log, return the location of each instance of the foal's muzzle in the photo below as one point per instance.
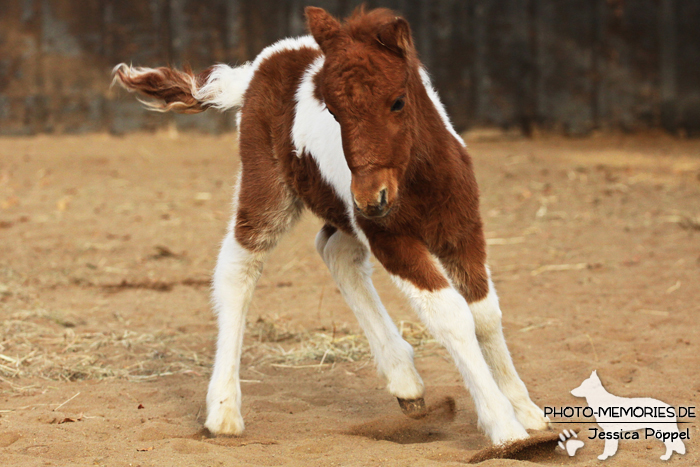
(374, 192)
(378, 208)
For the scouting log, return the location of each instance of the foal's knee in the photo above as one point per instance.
(339, 250)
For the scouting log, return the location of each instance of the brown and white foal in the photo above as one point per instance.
(346, 123)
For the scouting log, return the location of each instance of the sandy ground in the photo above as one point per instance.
(107, 245)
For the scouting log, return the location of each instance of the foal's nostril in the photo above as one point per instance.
(382, 198)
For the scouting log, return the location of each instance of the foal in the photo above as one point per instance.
(346, 123)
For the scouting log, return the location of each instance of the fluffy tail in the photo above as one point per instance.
(221, 86)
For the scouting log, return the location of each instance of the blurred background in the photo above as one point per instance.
(569, 66)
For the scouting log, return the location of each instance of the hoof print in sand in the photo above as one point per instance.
(421, 427)
(539, 446)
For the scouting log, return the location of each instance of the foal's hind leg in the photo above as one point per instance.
(262, 213)
(348, 261)
(237, 272)
(478, 289)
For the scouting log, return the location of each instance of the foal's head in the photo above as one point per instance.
(368, 84)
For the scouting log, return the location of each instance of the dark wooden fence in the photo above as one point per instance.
(567, 65)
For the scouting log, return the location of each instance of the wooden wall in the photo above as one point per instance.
(568, 65)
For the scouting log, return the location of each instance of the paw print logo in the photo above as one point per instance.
(570, 442)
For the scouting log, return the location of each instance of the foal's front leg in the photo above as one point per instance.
(446, 314)
(487, 317)
(348, 261)
(472, 278)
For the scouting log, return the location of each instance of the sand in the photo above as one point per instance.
(106, 250)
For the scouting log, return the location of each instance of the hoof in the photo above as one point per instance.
(412, 407)
(226, 420)
(530, 415)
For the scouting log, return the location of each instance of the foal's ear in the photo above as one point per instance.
(396, 36)
(321, 25)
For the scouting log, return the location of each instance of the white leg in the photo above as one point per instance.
(348, 261)
(237, 272)
(448, 317)
(487, 318)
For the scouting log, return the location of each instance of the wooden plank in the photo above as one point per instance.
(21, 111)
(72, 67)
(198, 39)
(135, 32)
(564, 58)
(631, 54)
(262, 26)
(522, 64)
(447, 57)
(235, 47)
(455, 54)
(688, 66)
(667, 64)
(502, 59)
(480, 78)
(198, 32)
(599, 108)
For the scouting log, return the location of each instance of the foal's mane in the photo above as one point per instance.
(364, 25)
(378, 27)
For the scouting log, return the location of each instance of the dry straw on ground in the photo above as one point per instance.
(278, 345)
(39, 344)
(44, 345)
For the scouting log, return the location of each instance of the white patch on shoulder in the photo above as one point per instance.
(317, 133)
(432, 93)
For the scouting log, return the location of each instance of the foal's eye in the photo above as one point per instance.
(398, 104)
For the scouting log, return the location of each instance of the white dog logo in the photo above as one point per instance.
(616, 415)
